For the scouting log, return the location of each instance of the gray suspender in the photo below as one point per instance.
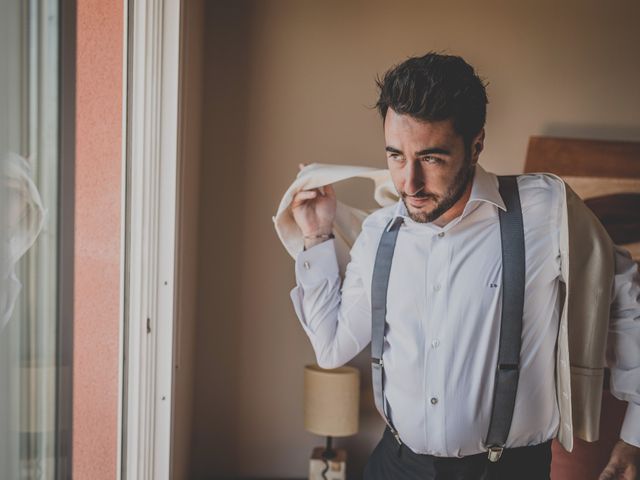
(379, 287)
(513, 281)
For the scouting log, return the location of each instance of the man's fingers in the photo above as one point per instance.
(326, 190)
(610, 472)
(618, 472)
(607, 474)
(305, 195)
(302, 196)
(630, 473)
(309, 194)
(302, 165)
(329, 191)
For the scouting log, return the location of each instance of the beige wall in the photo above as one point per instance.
(187, 231)
(219, 298)
(287, 82)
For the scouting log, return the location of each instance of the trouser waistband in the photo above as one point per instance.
(390, 460)
(401, 449)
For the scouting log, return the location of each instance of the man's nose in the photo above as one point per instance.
(414, 181)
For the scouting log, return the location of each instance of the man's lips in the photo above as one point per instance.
(418, 201)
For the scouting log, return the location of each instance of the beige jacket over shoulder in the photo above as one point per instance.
(588, 267)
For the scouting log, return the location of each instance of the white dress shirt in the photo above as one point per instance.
(443, 316)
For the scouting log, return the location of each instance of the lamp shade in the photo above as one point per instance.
(331, 400)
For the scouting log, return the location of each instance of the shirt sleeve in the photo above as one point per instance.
(623, 343)
(335, 317)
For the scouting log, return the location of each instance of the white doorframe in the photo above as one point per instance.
(152, 157)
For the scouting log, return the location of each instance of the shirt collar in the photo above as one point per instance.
(483, 189)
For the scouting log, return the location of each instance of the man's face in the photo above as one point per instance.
(429, 165)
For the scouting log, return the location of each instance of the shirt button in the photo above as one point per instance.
(441, 234)
(306, 265)
(434, 400)
(435, 343)
(436, 287)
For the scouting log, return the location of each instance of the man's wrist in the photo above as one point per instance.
(313, 240)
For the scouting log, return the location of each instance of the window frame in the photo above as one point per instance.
(153, 85)
(66, 229)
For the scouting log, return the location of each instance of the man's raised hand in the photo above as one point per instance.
(314, 211)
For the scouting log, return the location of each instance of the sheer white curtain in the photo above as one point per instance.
(29, 112)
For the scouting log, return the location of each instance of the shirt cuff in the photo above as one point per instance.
(630, 431)
(316, 264)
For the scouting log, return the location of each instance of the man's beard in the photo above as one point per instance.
(454, 193)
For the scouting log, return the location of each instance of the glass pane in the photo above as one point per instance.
(28, 232)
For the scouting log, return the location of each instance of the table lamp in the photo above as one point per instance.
(331, 402)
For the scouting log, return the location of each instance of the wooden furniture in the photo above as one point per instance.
(606, 175)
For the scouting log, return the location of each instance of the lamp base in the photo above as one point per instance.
(337, 466)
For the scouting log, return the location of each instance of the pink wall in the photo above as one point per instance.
(97, 253)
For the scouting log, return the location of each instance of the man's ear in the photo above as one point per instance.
(477, 145)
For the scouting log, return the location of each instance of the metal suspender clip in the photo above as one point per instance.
(377, 361)
(395, 434)
(495, 453)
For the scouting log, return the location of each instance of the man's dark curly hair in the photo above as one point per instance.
(436, 87)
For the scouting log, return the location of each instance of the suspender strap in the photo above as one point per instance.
(379, 287)
(513, 282)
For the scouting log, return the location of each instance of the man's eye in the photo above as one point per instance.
(395, 156)
(431, 159)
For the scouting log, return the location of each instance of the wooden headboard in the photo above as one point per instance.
(606, 174)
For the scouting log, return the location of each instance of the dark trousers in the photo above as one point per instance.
(390, 461)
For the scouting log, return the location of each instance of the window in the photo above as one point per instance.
(33, 371)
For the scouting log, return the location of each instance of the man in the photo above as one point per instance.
(443, 308)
